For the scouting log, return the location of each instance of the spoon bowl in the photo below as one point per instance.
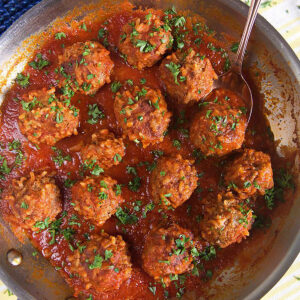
(234, 81)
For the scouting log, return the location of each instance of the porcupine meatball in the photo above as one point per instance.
(96, 199)
(187, 77)
(219, 127)
(84, 67)
(143, 114)
(173, 181)
(45, 119)
(167, 251)
(104, 148)
(144, 40)
(103, 265)
(249, 174)
(226, 219)
(31, 200)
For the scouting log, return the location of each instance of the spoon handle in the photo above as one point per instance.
(246, 34)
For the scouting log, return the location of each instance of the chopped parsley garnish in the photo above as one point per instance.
(22, 80)
(234, 47)
(115, 86)
(283, 181)
(4, 169)
(69, 183)
(91, 165)
(157, 153)
(24, 205)
(129, 82)
(95, 114)
(39, 63)
(83, 26)
(179, 21)
(135, 184)
(124, 216)
(208, 253)
(42, 224)
(247, 184)
(177, 144)
(118, 189)
(59, 159)
(144, 46)
(174, 69)
(108, 254)
(117, 158)
(102, 32)
(97, 170)
(152, 289)
(131, 170)
(270, 198)
(60, 35)
(8, 292)
(97, 263)
(14, 145)
(150, 206)
(227, 64)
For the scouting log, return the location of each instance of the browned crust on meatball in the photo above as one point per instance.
(84, 67)
(30, 200)
(219, 127)
(44, 119)
(226, 219)
(249, 174)
(96, 199)
(194, 77)
(144, 40)
(103, 265)
(143, 114)
(167, 251)
(104, 148)
(173, 181)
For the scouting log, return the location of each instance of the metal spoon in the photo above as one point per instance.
(233, 79)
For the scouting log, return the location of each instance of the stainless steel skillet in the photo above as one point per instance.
(269, 53)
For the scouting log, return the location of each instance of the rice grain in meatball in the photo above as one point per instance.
(143, 114)
(32, 200)
(167, 252)
(219, 127)
(104, 149)
(226, 219)
(144, 40)
(187, 77)
(103, 264)
(84, 67)
(96, 199)
(45, 119)
(173, 181)
(249, 174)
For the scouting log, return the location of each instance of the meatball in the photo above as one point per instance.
(143, 115)
(44, 119)
(173, 181)
(226, 220)
(187, 78)
(96, 199)
(103, 264)
(249, 174)
(84, 67)
(32, 201)
(219, 127)
(167, 251)
(104, 149)
(144, 40)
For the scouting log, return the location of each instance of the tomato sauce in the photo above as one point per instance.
(258, 136)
